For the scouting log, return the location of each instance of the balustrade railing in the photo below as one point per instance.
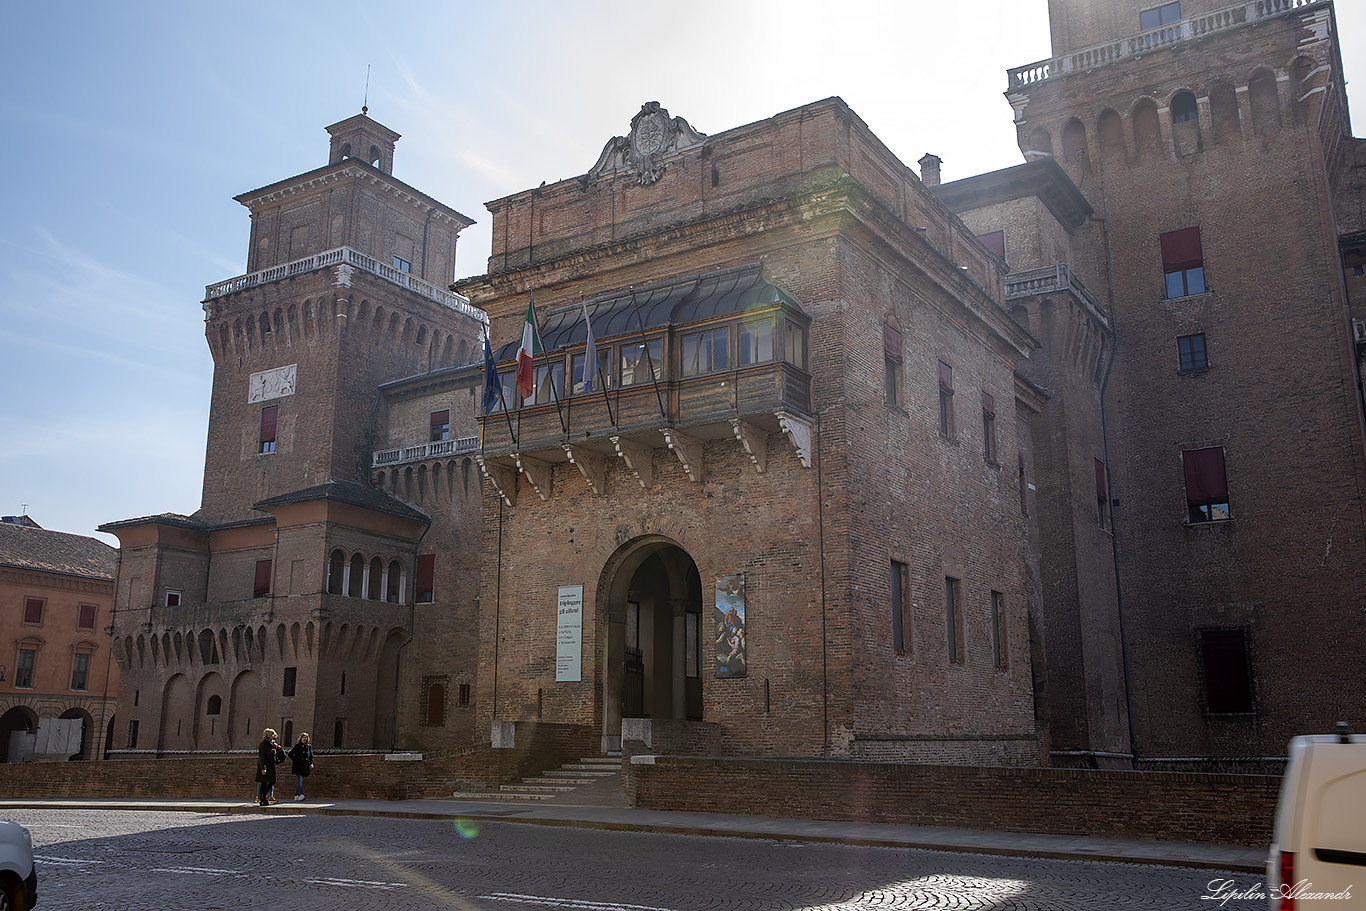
(1054, 279)
(435, 450)
(1022, 77)
(348, 257)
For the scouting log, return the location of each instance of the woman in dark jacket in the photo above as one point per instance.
(301, 764)
(267, 755)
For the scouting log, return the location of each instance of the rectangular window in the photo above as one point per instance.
(338, 733)
(704, 352)
(1206, 484)
(426, 577)
(953, 620)
(291, 680)
(402, 264)
(261, 586)
(988, 428)
(995, 242)
(1183, 262)
(133, 735)
(898, 606)
(756, 341)
(794, 345)
(1159, 16)
(1227, 677)
(464, 697)
(86, 619)
(33, 610)
(641, 364)
(441, 426)
(508, 379)
(269, 416)
(891, 361)
(549, 380)
(1192, 351)
(1024, 485)
(1102, 492)
(998, 629)
(172, 598)
(23, 673)
(602, 379)
(80, 668)
(945, 399)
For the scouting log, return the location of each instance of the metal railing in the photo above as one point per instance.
(1021, 77)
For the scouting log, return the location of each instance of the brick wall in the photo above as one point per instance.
(336, 775)
(1216, 809)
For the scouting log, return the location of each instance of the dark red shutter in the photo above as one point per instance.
(988, 405)
(440, 417)
(426, 574)
(87, 620)
(262, 586)
(1205, 478)
(891, 343)
(33, 610)
(269, 415)
(1181, 250)
(995, 242)
(945, 376)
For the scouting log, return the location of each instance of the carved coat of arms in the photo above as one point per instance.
(654, 136)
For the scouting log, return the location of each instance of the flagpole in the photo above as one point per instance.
(645, 343)
(493, 381)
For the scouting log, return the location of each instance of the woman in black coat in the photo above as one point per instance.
(267, 755)
(301, 764)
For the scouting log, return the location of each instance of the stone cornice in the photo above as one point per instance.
(28, 578)
(355, 170)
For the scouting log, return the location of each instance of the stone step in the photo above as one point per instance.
(552, 782)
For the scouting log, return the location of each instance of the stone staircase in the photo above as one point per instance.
(552, 783)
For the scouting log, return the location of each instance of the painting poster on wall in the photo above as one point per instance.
(730, 626)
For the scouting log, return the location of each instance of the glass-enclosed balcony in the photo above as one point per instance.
(678, 364)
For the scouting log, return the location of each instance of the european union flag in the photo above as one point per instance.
(493, 386)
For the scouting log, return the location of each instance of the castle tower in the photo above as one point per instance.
(1213, 141)
(346, 289)
(286, 598)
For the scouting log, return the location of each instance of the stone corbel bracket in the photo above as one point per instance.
(754, 440)
(591, 465)
(799, 431)
(502, 476)
(689, 452)
(537, 472)
(638, 458)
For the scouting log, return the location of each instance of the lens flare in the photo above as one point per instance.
(466, 829)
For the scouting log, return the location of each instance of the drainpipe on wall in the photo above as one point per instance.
(1109, 487)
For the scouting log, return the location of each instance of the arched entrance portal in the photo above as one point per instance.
(653, 603)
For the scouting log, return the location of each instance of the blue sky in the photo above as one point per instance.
(129, 128)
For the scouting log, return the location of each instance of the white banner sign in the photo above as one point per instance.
(569, 635)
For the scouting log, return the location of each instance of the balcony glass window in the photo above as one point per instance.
(549, 380)
(756, 341)
(601, 380)
(638, 361)
(704, 352)
(794, 345)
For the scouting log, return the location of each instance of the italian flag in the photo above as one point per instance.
(531, 346)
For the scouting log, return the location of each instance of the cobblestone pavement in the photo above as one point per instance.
(111, 860)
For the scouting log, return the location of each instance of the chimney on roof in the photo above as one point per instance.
(929, 169)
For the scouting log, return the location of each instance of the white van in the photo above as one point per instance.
(1318, 850)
